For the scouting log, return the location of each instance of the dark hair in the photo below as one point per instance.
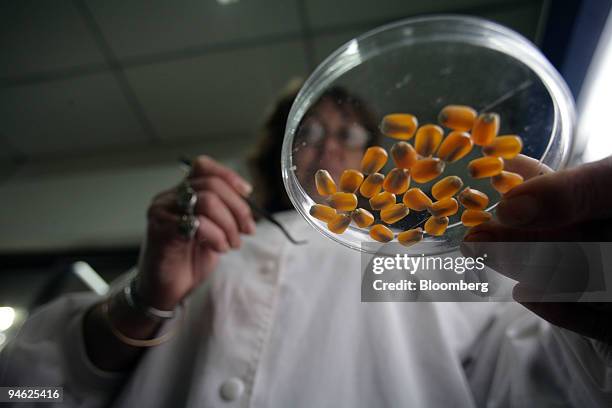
(264, 163)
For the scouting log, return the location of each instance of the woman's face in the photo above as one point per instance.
(329, 138)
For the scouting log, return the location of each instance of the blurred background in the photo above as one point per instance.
(99, 98)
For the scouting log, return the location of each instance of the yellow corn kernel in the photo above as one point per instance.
(322, 212)
(473, 199)
(350, 180)
(372, 185)
(343, 201)
(381, 233)
(399, 125)
(457, 117)
(339, 223)
(444, 208)
(456, 146)
(403, 154)
(417, 200)
(471, 218)
(362, 217)
(397, 181)
(425, 170)
(485, 128)
(447, 187)
(382, 200)
(506, 181)
(506, 147)
(374, 159)
(410, 237)
(394, 213)
(436, 225)
(427, 140)
(325, 183)
(487, 166)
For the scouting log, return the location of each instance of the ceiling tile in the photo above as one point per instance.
(40, 36)
(80, 114)
(136, 28)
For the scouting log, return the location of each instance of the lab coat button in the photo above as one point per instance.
(231, 389)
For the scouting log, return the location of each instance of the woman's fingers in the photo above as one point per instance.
(207, 166)
(526, 167)
(212, 207)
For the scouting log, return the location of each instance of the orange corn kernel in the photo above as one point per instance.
(343, 201)
(506, 181)
(425, 170)
(456, 146)
(325, 183)
(485, 128)
(471, 218)
(399, 125)
(350, 180)
(322, 212)
(362, 217)
(394, 213)
(410, 237)
(457, 117)
(473, 199)
(339, 223)
(487, 166)
(382, 200)
(436, 225)
(403, 154)
(447, 187)
(417, 200)
(372, 185)
(506, 147)
(374, 159)
(427, 140)
(444, 208)
(381, 233)
(397, 181)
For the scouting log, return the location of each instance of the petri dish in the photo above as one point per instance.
(418, 66)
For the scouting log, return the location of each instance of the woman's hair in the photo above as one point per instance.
(264, 163)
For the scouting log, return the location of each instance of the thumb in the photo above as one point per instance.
(562, 198)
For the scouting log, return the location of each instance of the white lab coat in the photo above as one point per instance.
(279, 325)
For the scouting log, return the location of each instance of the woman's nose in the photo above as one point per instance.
(331, 144)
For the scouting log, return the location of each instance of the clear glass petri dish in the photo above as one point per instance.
(418, 66)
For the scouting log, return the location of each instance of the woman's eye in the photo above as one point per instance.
(355, 136)
(312, 133)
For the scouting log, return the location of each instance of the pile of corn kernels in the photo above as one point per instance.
(421, 163)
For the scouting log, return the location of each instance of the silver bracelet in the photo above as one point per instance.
(135, 301)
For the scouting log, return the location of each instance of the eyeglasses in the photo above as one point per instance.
(313, 134)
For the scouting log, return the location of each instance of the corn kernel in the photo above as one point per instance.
(362, 217)
(373, 160)
(372, 185)
(457, 117)
(444, 208)
(410, 237)
(399, 125)
(471, 218)
(343, 201)
(506, 147)
(487, 166)
(397, 181)
(403, 154)
(506, 181)
(436, 225)
(485, 128)
(447, 187)
(417, 200)
(427, 140)
(425, 170)
(394, 213)
(322, 212)
(473, 199)
(382, 200)
(339, 223)
(456, 146)
(325, 183)
(381, 233)
(350, 180)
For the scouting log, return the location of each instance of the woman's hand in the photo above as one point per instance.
(170, 266)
